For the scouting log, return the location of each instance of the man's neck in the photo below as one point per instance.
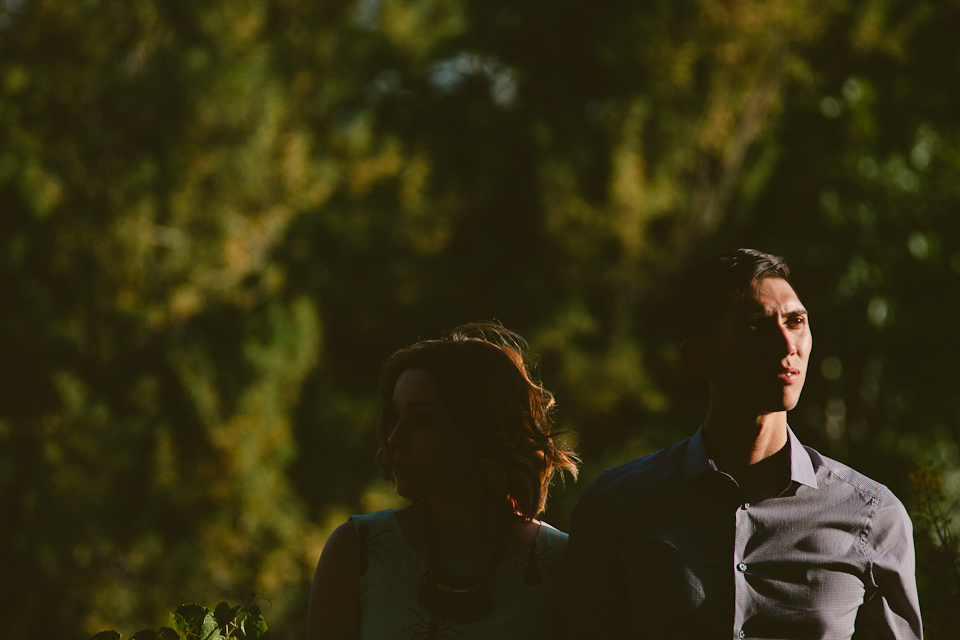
(737, 444)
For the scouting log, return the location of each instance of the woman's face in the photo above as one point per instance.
(427, 453)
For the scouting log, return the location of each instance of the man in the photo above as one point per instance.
(740, 531)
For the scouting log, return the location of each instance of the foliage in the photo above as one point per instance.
(217, 220)
(194, 622)
(934, 517)
(936, 520)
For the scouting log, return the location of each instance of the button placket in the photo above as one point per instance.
(743, 518)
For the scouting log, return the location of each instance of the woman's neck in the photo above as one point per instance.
(463, 527)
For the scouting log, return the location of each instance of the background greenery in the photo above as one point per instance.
(218, 218)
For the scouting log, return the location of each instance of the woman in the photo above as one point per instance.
(464, 433)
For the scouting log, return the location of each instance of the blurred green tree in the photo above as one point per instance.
(219, 218)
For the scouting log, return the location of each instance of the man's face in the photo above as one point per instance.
(760, 360)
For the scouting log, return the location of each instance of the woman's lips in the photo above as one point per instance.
(401, 467)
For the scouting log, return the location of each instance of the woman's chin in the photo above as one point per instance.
(405, 490)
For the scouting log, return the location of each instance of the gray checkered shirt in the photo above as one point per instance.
(665, 547)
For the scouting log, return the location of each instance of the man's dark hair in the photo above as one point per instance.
(711, 286)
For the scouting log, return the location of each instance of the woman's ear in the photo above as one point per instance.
(696, 353)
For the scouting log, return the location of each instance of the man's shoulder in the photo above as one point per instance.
(647, 471)
(890, 528)
(838, 472)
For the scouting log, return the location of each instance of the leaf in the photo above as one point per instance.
(188, 619)
(166, 633)
(107, 635)
(195, 622)
(206, 632)
(254, 625)
(225, 614)
(210, 629)
(145, 634)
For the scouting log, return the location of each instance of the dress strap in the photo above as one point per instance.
(378, 534)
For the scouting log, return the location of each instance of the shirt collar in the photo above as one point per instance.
(801, 466)
(696, 461)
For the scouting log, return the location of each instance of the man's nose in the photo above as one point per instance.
(786, 340)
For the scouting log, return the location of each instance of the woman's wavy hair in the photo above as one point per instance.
(481, 373)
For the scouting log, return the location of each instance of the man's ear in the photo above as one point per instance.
(696, 353)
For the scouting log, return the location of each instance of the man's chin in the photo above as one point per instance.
(776, 406)
(790, 402)
(785, 401)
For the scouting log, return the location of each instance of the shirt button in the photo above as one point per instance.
(741, 568)
(741, 634)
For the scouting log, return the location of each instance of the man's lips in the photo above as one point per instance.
(789, 374)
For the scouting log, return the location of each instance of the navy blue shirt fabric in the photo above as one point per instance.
(666, 547)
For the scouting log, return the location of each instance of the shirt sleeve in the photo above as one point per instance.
(891, 609)
(592, 604)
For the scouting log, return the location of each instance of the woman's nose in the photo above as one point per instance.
(396, 434)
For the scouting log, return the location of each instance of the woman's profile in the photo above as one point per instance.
(464, 433)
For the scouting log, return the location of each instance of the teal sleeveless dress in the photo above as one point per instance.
(525, 588)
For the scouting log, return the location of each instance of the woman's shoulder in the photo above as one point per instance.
(376, 521)
(379, 533)
(551, 536)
